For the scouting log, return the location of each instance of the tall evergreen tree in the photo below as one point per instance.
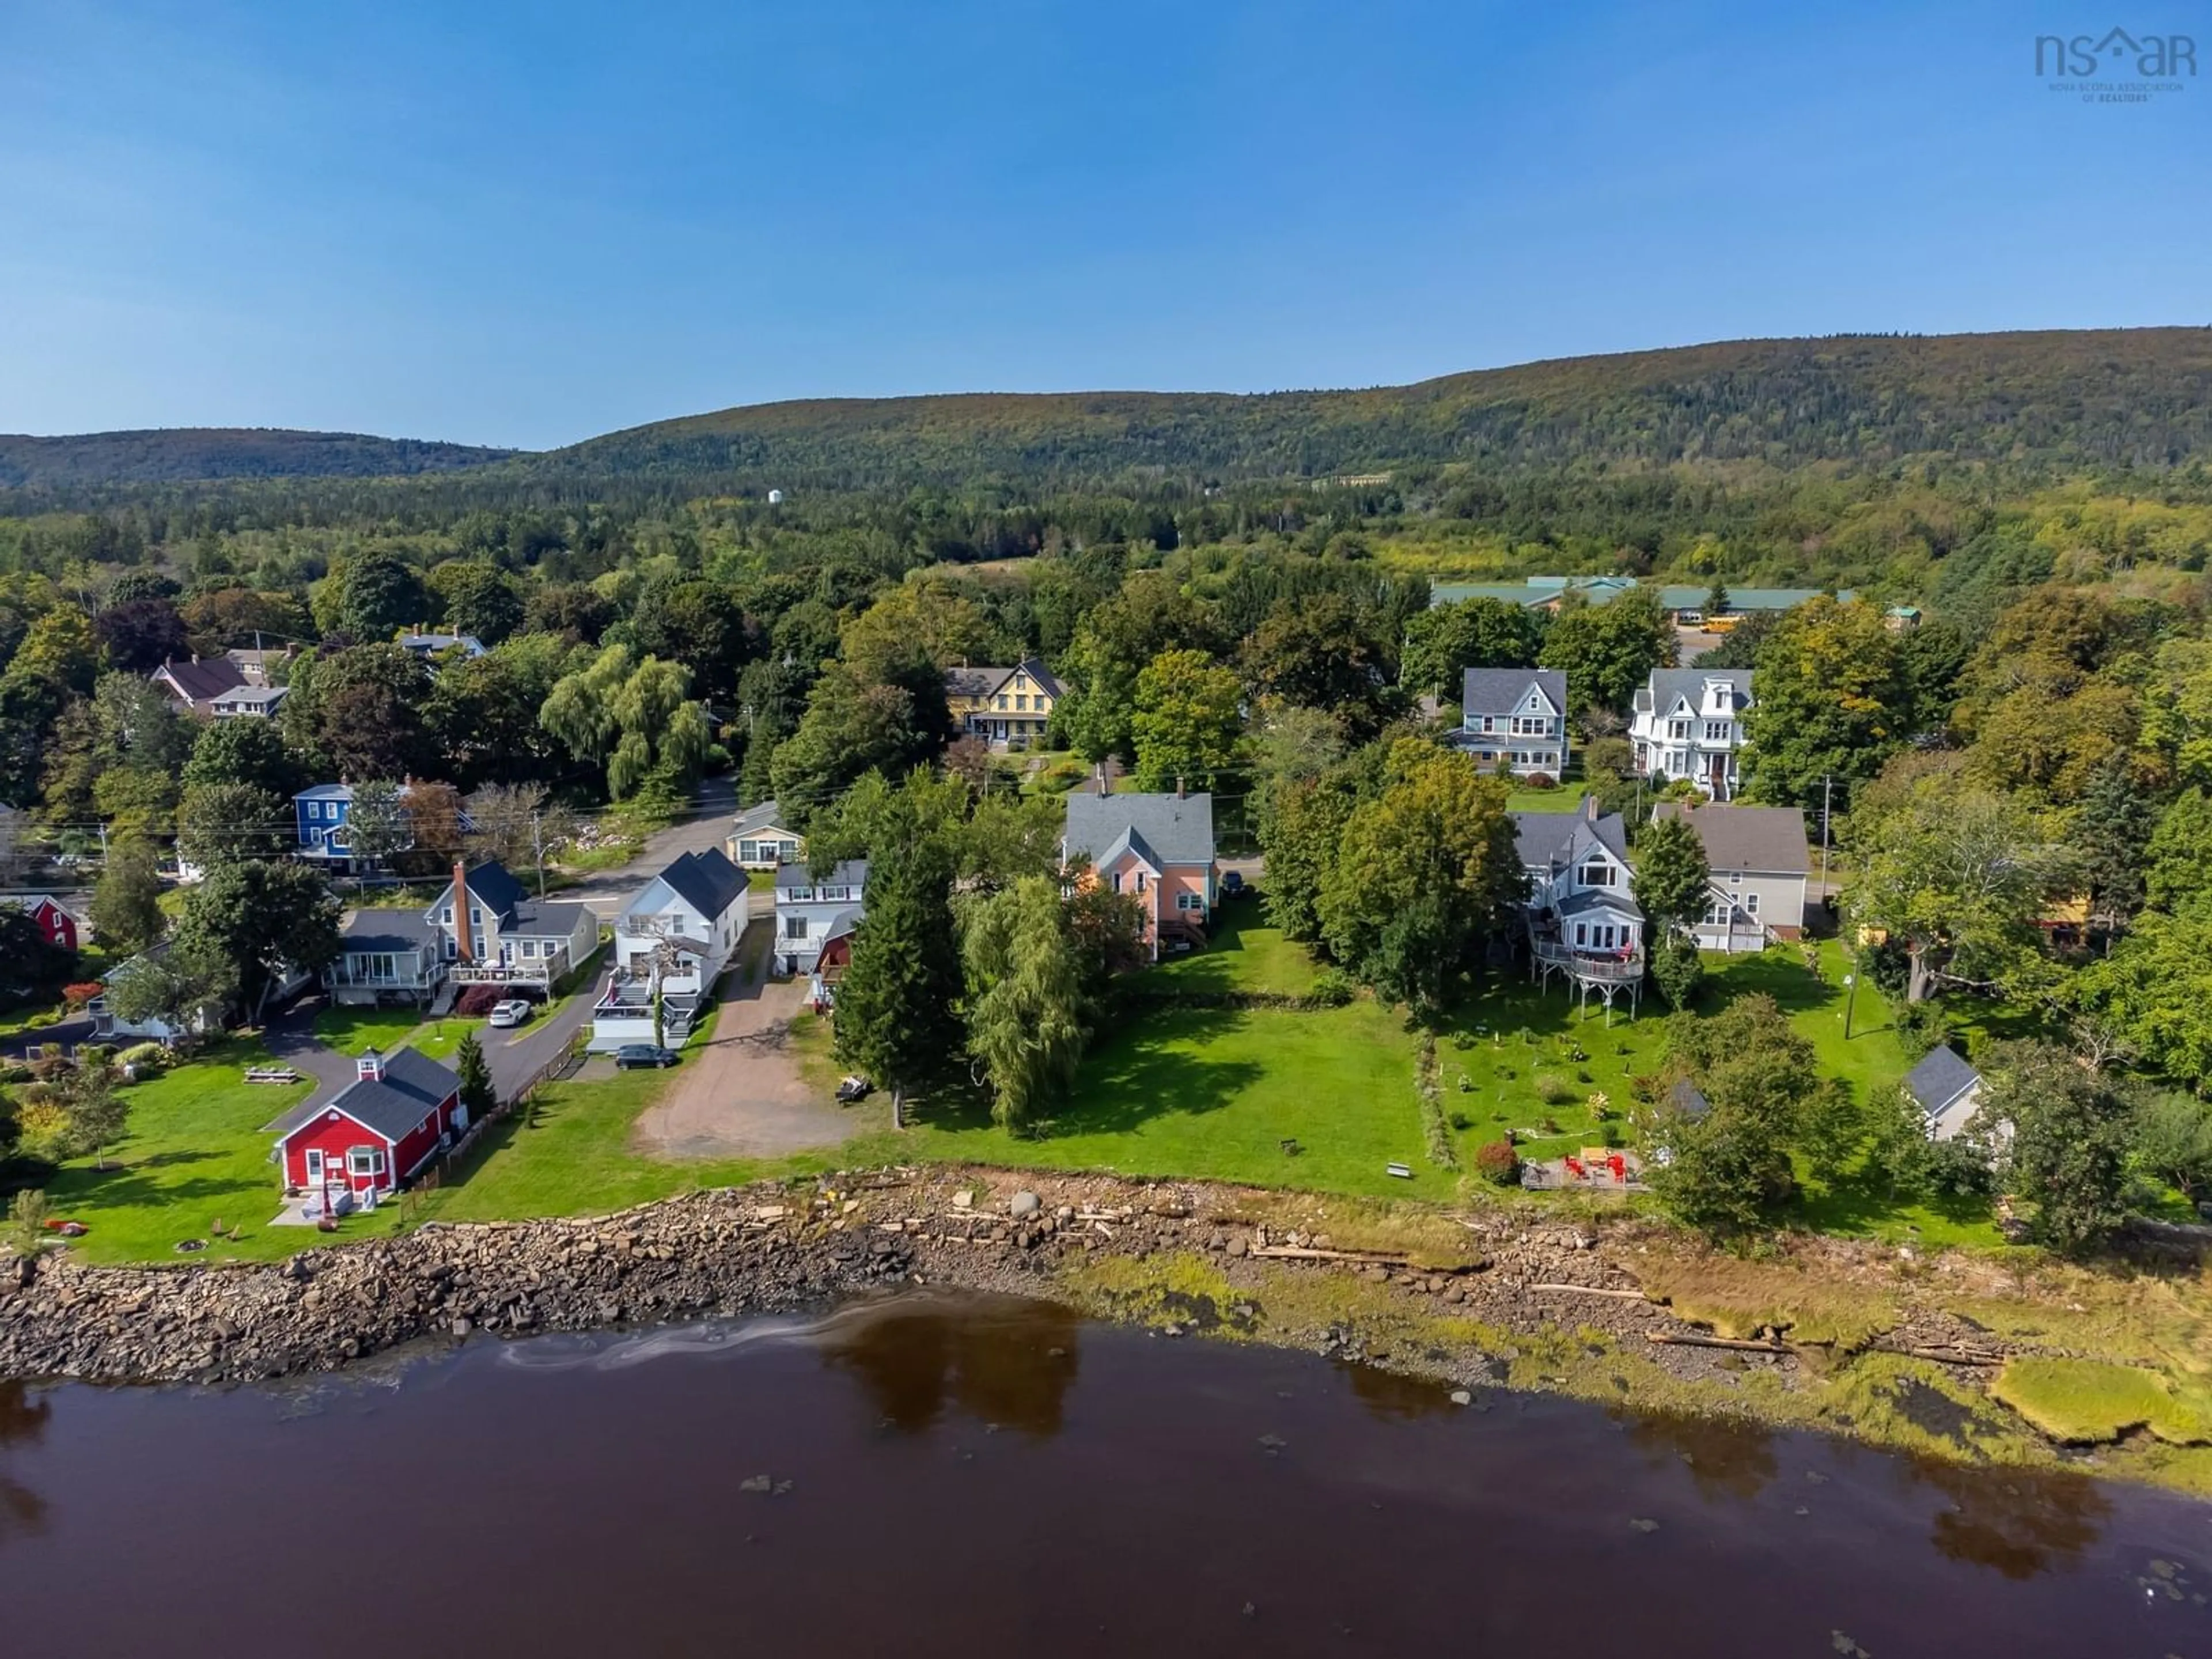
(897, 1018)
(2109, 841)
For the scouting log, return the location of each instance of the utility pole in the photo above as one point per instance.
(537, 847)
(1827, 786)
(1850, 996)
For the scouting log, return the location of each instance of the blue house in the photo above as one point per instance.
(322, 815)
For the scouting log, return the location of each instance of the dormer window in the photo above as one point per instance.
(1597, 874)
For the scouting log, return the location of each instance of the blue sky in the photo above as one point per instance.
(526, 223)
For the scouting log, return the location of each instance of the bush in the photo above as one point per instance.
(76, 996)
(1498, 1161)
(1920, 1026)
(1554, 1089)
(479, 1000)
(1677, 971)
(1332, 989)
(143, 1060)
(1539, 781)
(1959, 1168)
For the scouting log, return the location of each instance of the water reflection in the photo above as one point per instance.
(2020, 1521)
(1726, 1458)
(1394, 1398)
(1007, 1363)
(22, 1422)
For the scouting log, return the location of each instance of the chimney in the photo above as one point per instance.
(1589, 808)
(370, 1068)
(1178, 786)
(464, 944)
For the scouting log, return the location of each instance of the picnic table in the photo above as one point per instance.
(271, 1074)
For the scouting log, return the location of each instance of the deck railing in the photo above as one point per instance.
(1603, 966)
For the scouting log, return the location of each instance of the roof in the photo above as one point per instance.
(264, 696)
(326, 791)
(842, 924)
(1764, 840)
(386, 930)
(493, 886)
(848, 872)
(1659, 693)
(1500, 690)
(1603, 590)
(1940, 1079)
(762, 815)
(1173, 829)
(412, 1087)
(437, 642)
(551, 919)
(202, 679)
(1546, 840)
(979, 682)
(1686, 1098)
(1599, 898)
(708, 881)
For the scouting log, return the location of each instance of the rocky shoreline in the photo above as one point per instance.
(771, 1249)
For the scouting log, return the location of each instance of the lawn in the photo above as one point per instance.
(1215, 1092)
(350, 1029)
(1567, 797)
(1243, 954)
(193, 1154)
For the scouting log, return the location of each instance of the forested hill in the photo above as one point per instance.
(181, 455)
(2061, 399)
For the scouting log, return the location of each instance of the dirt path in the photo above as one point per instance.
(740, 1094)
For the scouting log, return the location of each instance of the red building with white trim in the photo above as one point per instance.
(382, 1128)
(58, 924)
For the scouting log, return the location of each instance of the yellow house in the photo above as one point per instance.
(1003, 705)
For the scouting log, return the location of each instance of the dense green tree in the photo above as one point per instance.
(635, 716)
(1672, 881)
(376, 824)
(127, 900)
(2154, 993)
(2180, 854)
(2066, 1152)
(1426, 878)
(374, 596)
(478, 599)
(1608, 651)
(264, 920)
(1730, 1171)
(1957, 875)
(1831, 703)
(1448, 638)
(1024, 997)
(2108, 844)
(1324, 652)
(219, 822)
(190, 985)
(478, 1096)
(247, 752)
(850, 728)
(2172, 1136)
(1186, 723)
(897, 1019)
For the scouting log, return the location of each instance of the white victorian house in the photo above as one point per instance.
(1584, 923)
(1515, 717)
(1688, 723)
(673, 939)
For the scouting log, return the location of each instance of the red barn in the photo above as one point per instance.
(57, 924)
(377, 1131)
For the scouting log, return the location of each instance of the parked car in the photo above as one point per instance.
(631, 1055)
(514, 1012)
(852, 1089)
(1232, 882)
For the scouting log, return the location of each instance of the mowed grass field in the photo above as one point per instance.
(194, 1152)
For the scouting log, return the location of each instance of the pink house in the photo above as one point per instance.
(1158, 848)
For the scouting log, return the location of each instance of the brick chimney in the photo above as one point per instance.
(464, 940)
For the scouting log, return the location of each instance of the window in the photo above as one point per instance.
(1597, 874)
(476, 917)
(802, 896)
(836, 892)
(365, 1161)
(1000, 701)
(448, 917)
(1735, 878)
(1678, 730)
(1140, 881)
(1021, 701)
(1489, 722)
(749, 852)
(1713, 917)
(1751, 904)
(794, 927)
(1717, 731)
(1582, 932)
(530, 947)
(1117, 881)
(1190, 901)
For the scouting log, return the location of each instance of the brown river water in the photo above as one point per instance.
(964, 1476)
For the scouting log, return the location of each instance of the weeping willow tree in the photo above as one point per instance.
(1024, 998)
(637, 717)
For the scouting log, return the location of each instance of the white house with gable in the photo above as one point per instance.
(814, 920)
(674, 937)
(1688, 723)
(1516, 718)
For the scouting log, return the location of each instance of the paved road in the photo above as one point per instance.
(515, 1056)
(706, 825)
